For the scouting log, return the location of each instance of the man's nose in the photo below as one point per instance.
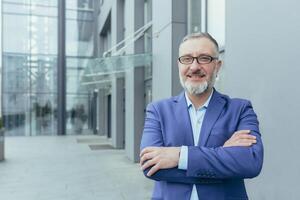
(195, 65)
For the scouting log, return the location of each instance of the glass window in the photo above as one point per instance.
(194, 16)
(148, 49)
(30, 64)
(29, 67)
(216, 20)
(80, 29)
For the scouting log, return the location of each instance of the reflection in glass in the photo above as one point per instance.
(80, 29)
(194, 16)
(29, 67)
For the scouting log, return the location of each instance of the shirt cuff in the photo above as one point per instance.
(183, 158)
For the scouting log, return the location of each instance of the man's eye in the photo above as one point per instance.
(204, 58)
(186, 59)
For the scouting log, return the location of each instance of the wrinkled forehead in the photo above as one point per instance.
(197, 46)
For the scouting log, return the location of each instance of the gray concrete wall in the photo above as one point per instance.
(117, 22)
(169, 27)
(262, 51)
(134, 115)
(2, 144)
(117, 112)
(106, 109)
(134, 82)
(101, 112)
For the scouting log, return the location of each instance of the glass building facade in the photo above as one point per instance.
(30, 67)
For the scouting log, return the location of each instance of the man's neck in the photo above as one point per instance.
(199, 100)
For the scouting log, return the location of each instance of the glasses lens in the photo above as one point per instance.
(186, 59)
(204, 59)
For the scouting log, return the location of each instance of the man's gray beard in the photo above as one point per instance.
(199, 88)
(194, 89)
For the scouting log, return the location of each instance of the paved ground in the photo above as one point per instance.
(65, 168)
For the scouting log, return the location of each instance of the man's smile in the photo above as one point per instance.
(196, 76)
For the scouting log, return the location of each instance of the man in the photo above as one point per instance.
(200, 144)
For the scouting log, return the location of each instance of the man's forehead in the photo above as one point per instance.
(200, 45)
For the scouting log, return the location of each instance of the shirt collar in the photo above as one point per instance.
(205, 105)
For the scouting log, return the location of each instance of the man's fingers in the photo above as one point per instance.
(247, 141)
(241, 132)
(153, 169)
(241, 140)
(147, 150)
(149, 163)
(147, 156)
(144, 158)
(244, 136)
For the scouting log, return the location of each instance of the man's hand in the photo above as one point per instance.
(159, 158)
(240, 138)
(167, 157)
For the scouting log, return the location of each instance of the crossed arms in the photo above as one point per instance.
(241, 156)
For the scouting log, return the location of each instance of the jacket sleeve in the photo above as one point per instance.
(152, 136)
(229, 162)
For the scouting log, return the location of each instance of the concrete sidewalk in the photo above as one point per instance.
(65, 168)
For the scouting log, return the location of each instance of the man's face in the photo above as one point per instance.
(197, 78)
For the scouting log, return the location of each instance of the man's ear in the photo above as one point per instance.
(219, 65)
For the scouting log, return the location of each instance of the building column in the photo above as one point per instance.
(117, 115)
(135, 115)
(134, 82)
(169, 27)
(61, 70)
(117, 23)
(101, 112)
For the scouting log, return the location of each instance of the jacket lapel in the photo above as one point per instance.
(213, 112)
(183, 119)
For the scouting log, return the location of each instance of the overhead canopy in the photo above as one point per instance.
(99, 70)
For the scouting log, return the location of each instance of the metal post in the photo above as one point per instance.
(61, 70)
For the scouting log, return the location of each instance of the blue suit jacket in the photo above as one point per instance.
(217, 171)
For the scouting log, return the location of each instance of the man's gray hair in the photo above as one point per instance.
(201, 35)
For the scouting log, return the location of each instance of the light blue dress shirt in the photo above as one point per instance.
(196, 117)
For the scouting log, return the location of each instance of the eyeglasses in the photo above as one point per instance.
(203, 59)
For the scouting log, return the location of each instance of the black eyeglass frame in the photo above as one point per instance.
(197, 59)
